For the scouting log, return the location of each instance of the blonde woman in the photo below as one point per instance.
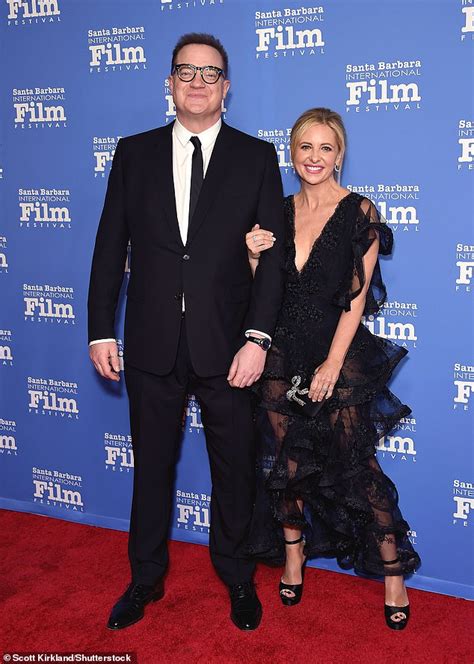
(324, 492)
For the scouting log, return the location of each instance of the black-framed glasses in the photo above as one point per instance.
(209, 74)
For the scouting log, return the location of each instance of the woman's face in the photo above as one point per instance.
(316, 154)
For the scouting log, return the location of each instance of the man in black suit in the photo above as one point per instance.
(185, 195)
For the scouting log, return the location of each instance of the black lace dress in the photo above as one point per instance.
(350, 506)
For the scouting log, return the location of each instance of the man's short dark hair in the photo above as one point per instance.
(200, 38)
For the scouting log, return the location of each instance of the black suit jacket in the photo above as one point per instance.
(242, 187)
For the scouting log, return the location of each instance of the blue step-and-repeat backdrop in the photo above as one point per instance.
(79, 74)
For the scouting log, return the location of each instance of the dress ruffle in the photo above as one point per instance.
(368, 226)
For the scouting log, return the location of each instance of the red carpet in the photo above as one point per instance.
(60, 579)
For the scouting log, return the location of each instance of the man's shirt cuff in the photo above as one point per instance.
(264, 334)
(100, 341)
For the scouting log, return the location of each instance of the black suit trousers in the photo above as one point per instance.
(156, 410)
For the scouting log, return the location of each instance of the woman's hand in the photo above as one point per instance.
(324, 379)
(258, 240)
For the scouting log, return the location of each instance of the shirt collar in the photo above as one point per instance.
(207, 137)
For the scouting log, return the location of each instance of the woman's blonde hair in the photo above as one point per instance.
(320, 116)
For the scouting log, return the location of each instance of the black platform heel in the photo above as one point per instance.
(391, 611)
(296, 589)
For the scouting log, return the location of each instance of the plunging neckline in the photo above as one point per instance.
(316, 241)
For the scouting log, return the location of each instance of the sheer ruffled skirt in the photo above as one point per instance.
(350, 506)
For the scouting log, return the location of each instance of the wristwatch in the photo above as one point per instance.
(264, 343)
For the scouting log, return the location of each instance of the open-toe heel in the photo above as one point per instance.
(396, 617)
(290, 594)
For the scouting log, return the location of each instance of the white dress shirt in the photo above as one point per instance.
(182, 163)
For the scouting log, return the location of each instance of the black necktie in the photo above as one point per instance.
(197, 175)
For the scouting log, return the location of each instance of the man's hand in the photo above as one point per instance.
(247, 365)
(104, 357)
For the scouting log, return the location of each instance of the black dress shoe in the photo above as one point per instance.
(131, 606)
(246, 610)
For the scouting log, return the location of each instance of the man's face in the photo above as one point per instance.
(198, 99)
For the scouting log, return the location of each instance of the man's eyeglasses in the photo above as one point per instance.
(209, 74)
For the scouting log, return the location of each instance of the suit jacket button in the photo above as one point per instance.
(186, 257)
(178, 296)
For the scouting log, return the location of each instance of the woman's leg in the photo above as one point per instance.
(346, 423)
(395, 591)
(294, 552)
(294, 555)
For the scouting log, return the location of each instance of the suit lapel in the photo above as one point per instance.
(215, 174)
(164, 183)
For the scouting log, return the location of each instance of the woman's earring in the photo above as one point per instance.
(337, 168)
